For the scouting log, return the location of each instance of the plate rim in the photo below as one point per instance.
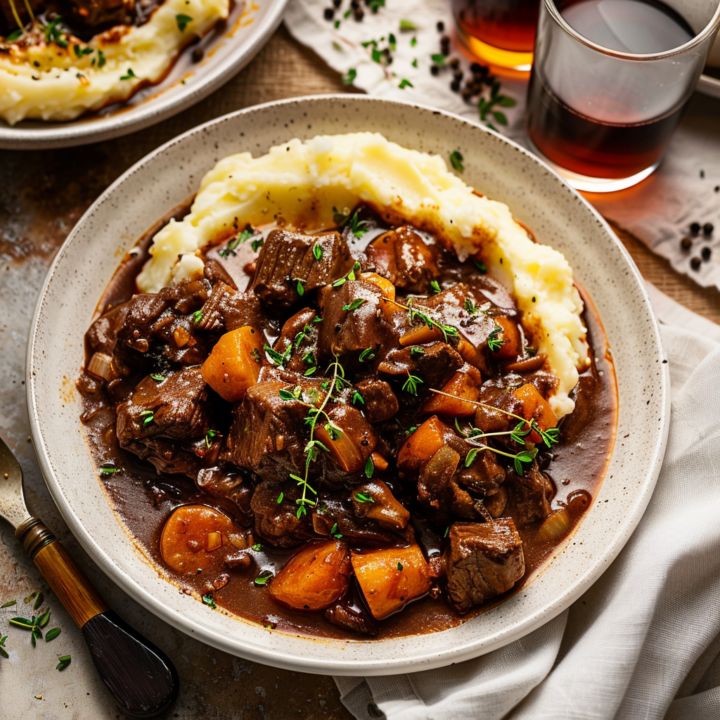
(338, 666)
(72, 133)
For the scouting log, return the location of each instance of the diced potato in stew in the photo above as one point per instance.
(313, 578)
(391, 578)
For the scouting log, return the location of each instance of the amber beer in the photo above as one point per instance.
(498, 32)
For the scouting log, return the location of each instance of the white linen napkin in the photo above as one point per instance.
(659, 211)
(644, 641)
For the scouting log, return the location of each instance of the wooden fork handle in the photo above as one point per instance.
(140, 677)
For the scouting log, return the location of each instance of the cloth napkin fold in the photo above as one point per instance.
(659, 211)
(644, 641)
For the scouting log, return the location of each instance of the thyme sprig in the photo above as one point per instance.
(447, 331)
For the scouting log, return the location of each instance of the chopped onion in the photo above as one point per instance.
(214, 540)
(100, 366)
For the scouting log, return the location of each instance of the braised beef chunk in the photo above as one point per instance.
(290, 259)
(298, 341)
(158, 413)
(228, 309)
(96, 14)
(435, 363)
(484, 560)
(379, 402)
(531, 495)
(276, 521)
(267, 434)
(227, 485)
(353, 322)
(403, 257)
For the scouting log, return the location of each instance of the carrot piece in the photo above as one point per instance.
(419, 335)
(379, 461)
(510, 336)
(535, 407)
(422, 444)
(465, 386)
(314, 577)
(191, 537)
(469, 353)
(390, 578)
(386, 288)
(234, 363)
(344, 449)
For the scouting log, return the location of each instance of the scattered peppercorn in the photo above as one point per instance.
(695, 263)
(702, 174)
(455, 86)
(440, 25)
(434, 70)
(358, 14)
(445, 45)
(454, 63)
(336, 3)
(707, 229)
(717, 188)
(329, 13)
(695, 228)
(197, 55)
(705, 253)
(686, 244)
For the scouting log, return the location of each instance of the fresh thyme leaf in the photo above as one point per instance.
(8, 604)
(369, 468)
(51, 634)
(44, 619)
(349, 77)
(520, 432)
(367, 354)
(550, 437)
(523, 458)
(354, 305)
(79, 50)
(63, 662)
(101, 60)
(262, 578)
(22, 623)
(362, 497)
(182, 21)
(413, 43)
(456, 160)
(405, 83)
(317, 252)
(407, 25)
(55, 33)
(257, 243)
(357, 226)
(107, 469)
(299, 287)
(412, 383)
(157, 377)
(232, 245)
(480, 266)
(210, 436)
(334, 531)
(275, 357)
(280, 498)
(357, 398)
(310, 371)
(438, 59)
(410, 430)
(470, 306)
(129, 75)
(416, 351)
(209, 601)
(494, 342)
(148, 417)
(470, 457)
(400, 566)
(505, 101)
(257, 547)
(15, 35)
(197, 316)
(435, 286)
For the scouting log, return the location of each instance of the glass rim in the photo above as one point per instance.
(698, 39)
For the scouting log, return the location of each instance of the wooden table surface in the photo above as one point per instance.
(43, 195)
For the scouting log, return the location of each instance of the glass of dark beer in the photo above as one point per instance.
(500, 33)
(609, 82)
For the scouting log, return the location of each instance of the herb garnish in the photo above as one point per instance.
(197, 316)
(417, 351)
(262, 578)
(148, 417)
(129, 75)
(334, 531)
(157, 377)
(367, 354)
(435, 286)
(210, 436)
(317, 251)
(400, 566)
(412, 383)
(51, 634)
(354, 305)
(456, 160)
(407, 25)
(241, 237)
(107, 469)
(278, 358)
(63, 662)
(349, 77)
(182, 21)
(362, 498)
(415, 314)
(55, 33)
(369, 469)
(495, 342)
(209, 601)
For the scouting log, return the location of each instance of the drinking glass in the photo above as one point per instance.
(498, 32)
(603, 117)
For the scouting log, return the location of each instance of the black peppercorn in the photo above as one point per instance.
(440, 25)
(329, 13)
(454, 63)
(694, 228)
(197, 54)
(434, 70)
(705, 253)
(336, 3)
(707, 229)
(359, 15)
(695, 263)
(686, 244)
(455, 86)
(702, 174)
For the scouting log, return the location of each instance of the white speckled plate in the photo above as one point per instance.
(249, 27)
(494, 166)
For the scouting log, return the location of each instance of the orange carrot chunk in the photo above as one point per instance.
(464, 385)
(535, 407)
(422, 444)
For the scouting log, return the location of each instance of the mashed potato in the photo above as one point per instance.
(300, 183)
(47, 82)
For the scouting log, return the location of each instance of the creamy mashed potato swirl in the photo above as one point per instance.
(47, 82)
(300, 183)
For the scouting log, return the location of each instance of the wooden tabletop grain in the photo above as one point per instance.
(43, 194)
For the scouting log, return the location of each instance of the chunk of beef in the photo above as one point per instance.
(484, 560)
(403, 257)
(352, 321)
(228, 309)
(434, 365)
(300, 334)
(276, 522)
(267, 435)
(351, 615)
(531, 495)
(95, 14)
(288, 258)
(215, 273)
(381, 403)
(158, 414)
(485, 478)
